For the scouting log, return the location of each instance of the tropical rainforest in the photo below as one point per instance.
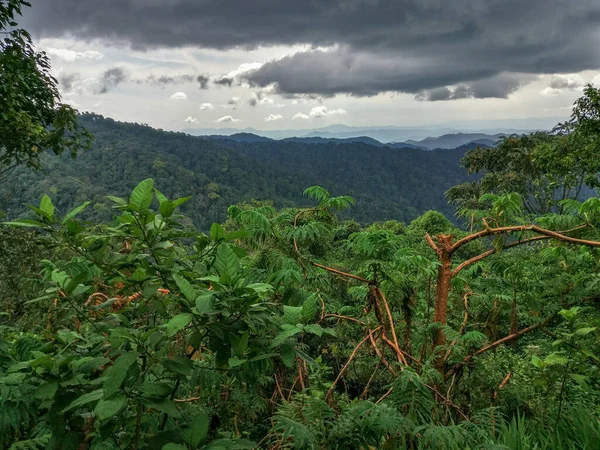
(136, 314)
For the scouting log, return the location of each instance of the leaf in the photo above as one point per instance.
(226, 264)
(217, 232)
(584, 331)
(173, 446)
(205, 304)
(198, 429)
(239, 343)
(118, 372)
(141, 196)
(46, 391)
(185, 287)
(314, 329)
(24, 223)
(292, 314)
(75, 211)
(285, 335)
(84, 400)
(118, 200)
(155, 389)
(166, 406)
(235, 362)
(555, 358)
(178, 323)
(182, 366)
(106, 408)
(47, 207)
(288, 354)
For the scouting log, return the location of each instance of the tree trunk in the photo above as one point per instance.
(442, 290)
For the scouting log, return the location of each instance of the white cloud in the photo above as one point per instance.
(204, 106)
(244, 68)
(301, 116)
(561, 83)
(273, 117)
(226, 119)
(322, 111)
(179, 96)
(191, 119)
(71, 55)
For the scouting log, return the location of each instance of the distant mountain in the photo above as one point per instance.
(388, 183)
(239, 137)
(384, 134)
(456, 140)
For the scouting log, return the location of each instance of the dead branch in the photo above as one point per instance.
(339, 272)
(352, 355)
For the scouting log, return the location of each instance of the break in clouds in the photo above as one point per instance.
(435, 49)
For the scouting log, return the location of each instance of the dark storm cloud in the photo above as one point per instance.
(203, 81)
(67, 81)
(111, 78)
(164, 80)
(500, 86)
(381, 45)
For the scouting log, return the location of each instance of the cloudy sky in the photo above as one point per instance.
(274, 64)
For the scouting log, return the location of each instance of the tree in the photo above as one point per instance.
(32, 118)
(543, 167)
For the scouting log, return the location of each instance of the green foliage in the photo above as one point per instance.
(32, 119)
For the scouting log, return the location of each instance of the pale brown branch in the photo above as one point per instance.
(352, 319)
(186, 400)
(536, 229)
(339, 272)
(484, 255)
(431, 243)
(352, 355)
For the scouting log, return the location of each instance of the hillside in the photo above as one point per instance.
(387, 183)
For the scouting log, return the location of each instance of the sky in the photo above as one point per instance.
(290, 64)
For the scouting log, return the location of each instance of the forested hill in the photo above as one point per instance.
(387, 183)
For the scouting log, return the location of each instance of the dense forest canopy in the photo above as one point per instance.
(388, 183)
(286, 325)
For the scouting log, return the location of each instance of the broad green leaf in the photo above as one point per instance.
(118, 372)
(292, 314)
(314, 329)
(556, 358)
(239, 344)
(185, 287)
(46, 391)
(235, 362)
(217, 232)
(584, 331)
(47, 207)
(106, 408)
(182, 366)
(197, 430)
(118, 200)
(141, 196)
(226, 264)
(155, 389)
(164, 405)
(75, 211)
(309, 308)
(288, 354)
(84, 400)
(205, 304)
(178, 323)
(173, 446)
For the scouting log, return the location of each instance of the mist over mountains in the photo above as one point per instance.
(443, 137)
